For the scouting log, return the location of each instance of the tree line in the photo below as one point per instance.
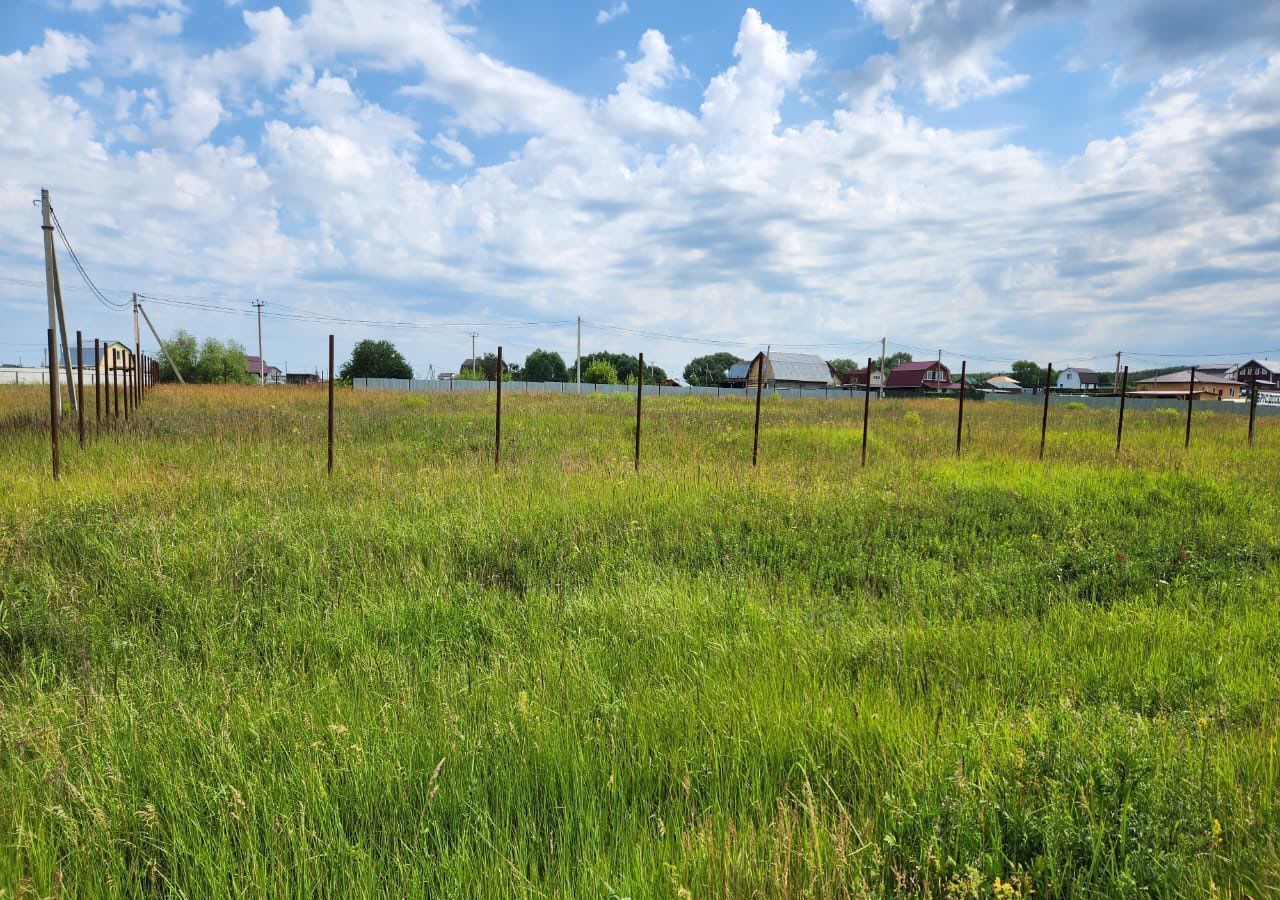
(217, 362)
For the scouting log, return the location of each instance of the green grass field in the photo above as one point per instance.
(224, 673)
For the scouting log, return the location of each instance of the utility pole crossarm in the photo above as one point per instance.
(164, 349)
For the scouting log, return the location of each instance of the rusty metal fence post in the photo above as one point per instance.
(866, 411)
(959, 419)
(80, 383)
(1044, 420)
(1191, 394)
(1253, 405)
(54, 421)
(97, 383)
(331, 380)
(497, 421)
(639, 400)
(1124, 392)
(755, 441)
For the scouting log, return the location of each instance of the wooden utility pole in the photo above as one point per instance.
(960, 419)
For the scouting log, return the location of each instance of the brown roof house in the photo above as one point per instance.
(925, 375)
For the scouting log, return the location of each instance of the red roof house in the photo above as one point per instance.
(925, 375)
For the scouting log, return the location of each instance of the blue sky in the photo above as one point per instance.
(1050, 179)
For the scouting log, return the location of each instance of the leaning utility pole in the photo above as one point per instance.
(163, 349)
(579, 361)
(262, 364)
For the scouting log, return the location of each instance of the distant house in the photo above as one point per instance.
(260, 368)
(301, 378)
(111, 355)
(925, 375)
(793, 370)
(857, 379)
(1267, 371)
(737, 375)
(1003, 383)
(1075, 379)
(1226, 370)
(1178, 384)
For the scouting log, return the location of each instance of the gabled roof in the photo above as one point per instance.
(1086, 376)
(911, 375)
(738, 371)
(1271, 365)
(799, 367)
(919, 365)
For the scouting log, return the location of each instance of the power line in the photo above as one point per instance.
(102, 298)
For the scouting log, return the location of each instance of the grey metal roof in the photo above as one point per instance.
(738, 371)
(1184, 377)
(799, 367)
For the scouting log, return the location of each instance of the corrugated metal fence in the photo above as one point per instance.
(431, 386)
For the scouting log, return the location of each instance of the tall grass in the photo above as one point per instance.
(222, 672)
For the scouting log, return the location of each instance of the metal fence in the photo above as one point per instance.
(1136, 402)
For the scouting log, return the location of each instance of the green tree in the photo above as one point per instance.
(893, 360)
(1027, 373)
(710, 370)
(600, 372)
(624, 366)
(843, 365)
(545, 365)
(183, 350)
(375, 359)
(220, 363)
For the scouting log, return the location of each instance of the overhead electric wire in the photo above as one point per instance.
(102, 297)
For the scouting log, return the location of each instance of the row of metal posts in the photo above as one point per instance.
(866, 409)
(129, 385)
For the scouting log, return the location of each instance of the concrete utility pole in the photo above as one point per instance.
(50, 273)
(883, 342)
(163, 349)
(137, 341)
(474, 366)
(262, 363)
(1117, 378)
(579, 360)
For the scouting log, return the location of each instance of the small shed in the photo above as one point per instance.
(1179, 384)
(793, 370)
(1076, 379)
